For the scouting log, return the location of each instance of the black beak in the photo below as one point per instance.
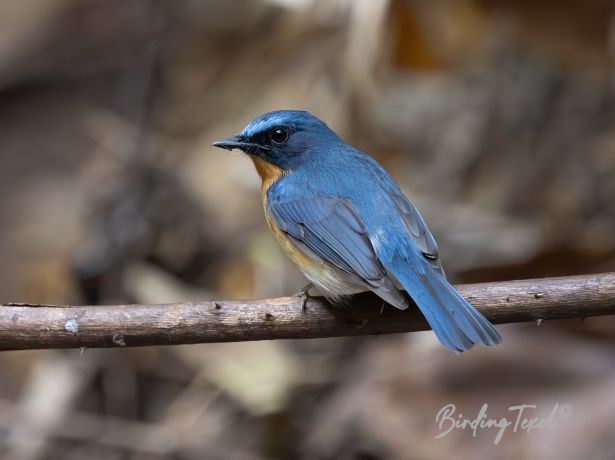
(235, 142)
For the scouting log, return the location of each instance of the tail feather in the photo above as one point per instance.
(457, 324)
(475, 325)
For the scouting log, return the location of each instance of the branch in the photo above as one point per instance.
(27, 326)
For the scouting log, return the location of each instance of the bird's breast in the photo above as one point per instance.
(269, 174)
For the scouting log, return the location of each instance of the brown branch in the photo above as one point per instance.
(26, 326)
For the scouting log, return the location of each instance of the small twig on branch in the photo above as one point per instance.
(27, 326)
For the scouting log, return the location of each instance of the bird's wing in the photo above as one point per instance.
(419, 233)
(331, 230)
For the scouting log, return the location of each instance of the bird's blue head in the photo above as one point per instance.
(284, 138)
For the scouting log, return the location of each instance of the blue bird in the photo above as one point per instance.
(342, 219)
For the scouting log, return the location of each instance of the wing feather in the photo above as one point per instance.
(330, 229)
(419, 233)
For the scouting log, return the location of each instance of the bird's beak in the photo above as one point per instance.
(234, 142)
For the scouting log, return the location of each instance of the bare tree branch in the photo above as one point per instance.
(26, 326)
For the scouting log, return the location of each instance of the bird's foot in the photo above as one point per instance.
(304, 295)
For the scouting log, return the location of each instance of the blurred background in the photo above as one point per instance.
(497, 118)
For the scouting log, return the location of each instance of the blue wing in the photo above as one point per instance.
(331, 231)
(417, 230)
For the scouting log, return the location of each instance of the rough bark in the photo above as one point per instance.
(27, 326)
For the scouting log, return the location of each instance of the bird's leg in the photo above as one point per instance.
(304, 294)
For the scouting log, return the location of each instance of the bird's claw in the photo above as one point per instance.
(304, 295)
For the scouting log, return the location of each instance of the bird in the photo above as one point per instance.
(346, 224)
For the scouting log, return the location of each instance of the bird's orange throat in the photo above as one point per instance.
(268, 172)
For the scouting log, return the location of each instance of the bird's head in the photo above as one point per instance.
(284, 138)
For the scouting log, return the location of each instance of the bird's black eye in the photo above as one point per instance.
(279, 135)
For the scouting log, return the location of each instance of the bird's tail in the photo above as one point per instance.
(457, 324)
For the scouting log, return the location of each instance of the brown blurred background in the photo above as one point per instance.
(497, 117)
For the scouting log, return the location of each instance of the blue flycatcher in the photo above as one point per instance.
(342, 219)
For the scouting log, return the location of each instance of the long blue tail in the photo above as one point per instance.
(457, 324)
